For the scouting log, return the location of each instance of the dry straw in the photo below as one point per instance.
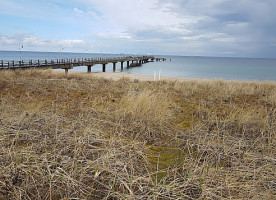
(82, 137)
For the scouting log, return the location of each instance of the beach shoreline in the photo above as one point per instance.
(135, 77)
(140, 77)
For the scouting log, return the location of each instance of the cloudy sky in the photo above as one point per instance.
(239, 28)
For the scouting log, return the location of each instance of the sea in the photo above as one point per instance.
(227, 68)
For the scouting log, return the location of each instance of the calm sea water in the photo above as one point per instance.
(175, 66)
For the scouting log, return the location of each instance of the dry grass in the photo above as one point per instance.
(82, 137)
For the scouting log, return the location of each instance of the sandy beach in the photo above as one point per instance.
(121, 75)
(138, 77)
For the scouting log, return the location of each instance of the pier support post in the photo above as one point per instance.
(89, 68)
(128, 64)
(114, 67)
(104, 67)
(66, 71)
(122, 65)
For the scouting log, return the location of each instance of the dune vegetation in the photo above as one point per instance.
(83, 137)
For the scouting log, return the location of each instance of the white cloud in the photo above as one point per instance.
(32, 42)
(225, 39)
(109, 35)
(69, 43)
(127, 14)
(4, 40)
(78, 11)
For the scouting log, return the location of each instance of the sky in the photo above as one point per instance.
(222, 28)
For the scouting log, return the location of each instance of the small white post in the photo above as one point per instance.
(154, 76)
(159, 75)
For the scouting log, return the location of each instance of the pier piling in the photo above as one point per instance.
(104, 67)
(122, 65)
(89, 68)
(114, 67)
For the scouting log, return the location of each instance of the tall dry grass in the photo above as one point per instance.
(81, 137)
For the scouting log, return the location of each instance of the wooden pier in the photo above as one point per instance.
(66, 63)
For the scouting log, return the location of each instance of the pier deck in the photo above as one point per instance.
(69, 63)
